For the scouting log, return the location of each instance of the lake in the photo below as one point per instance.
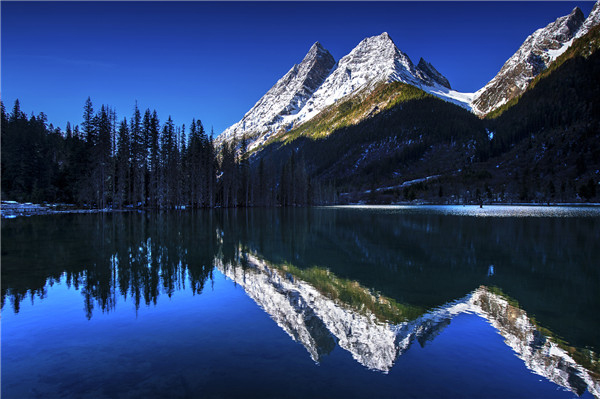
(336, 302)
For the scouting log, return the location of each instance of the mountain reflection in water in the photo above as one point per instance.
(316, 321)
(385, 278)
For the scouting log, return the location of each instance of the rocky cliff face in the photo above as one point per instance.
(535, 54)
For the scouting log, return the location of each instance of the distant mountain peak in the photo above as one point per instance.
(431, 73)
(569, 24)
(315, 49)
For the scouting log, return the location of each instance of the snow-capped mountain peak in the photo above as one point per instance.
(318, 82)
(285, 98)
(374, 60)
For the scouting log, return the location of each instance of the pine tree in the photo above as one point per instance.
(244, 166)
(138, 154)
(123, 165)
(168, 165)
(88, 125)
(152, 127)
(102, 153)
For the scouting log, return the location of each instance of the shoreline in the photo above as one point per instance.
(13, 209)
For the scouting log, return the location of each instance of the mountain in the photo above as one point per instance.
(292, 102)
(285, 98)
(384, 145)
(318, 81)
(538, 51)
(374, 60)
(376, 129)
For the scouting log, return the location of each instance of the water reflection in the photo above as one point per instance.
(373, 281)
(132, 256)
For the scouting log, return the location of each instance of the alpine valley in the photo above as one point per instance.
(381, 129)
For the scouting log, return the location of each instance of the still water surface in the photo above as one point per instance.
(499, 302)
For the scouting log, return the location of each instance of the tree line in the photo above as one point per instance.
(141, 162)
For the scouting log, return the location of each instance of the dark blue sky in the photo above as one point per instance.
(213, 61)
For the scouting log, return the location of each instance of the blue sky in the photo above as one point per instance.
(213, 61)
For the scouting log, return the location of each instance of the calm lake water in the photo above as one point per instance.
(372, 302)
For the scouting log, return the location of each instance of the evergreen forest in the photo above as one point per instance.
(141, 163)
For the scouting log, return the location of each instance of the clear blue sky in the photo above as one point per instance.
(213, 61)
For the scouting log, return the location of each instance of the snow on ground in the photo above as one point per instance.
(405, 184)
(13, 209)
(456, 97)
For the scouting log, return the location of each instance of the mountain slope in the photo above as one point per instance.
(583, 47)
(558, 118)
(381, 138)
